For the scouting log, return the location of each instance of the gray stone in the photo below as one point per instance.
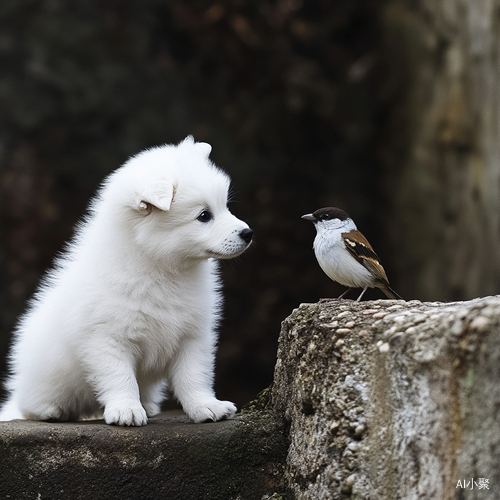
(405, 407)
(170, 458)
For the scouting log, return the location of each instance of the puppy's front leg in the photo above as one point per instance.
(191, 378)
(112, 375)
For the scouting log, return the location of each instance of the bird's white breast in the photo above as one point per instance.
(335, 259)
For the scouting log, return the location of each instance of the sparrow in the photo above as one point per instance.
(345, 255)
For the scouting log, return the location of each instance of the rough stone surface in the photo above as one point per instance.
(390, 399)
(169, 458)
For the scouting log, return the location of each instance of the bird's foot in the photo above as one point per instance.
(334, 299)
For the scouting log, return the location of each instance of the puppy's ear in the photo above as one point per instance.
(188, 140)
(204, 148)
(159, 195)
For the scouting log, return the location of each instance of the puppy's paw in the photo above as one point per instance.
(125, 414)
(152, 409)
(211, 410)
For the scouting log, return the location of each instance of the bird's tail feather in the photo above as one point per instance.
(391, 294)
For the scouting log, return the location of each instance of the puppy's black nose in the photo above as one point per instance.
(246, 235)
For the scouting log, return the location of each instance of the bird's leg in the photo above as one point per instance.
(362, 293)
(346, 292)
(338, 298)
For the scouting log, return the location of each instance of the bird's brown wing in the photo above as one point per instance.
(359, 247)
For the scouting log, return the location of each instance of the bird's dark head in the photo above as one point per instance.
(326, 214)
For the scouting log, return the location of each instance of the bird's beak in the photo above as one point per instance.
(309, 217)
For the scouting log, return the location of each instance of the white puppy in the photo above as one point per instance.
(132, 306)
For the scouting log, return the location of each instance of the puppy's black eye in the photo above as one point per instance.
(205, 216)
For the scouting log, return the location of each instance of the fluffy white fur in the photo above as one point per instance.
(131, 307)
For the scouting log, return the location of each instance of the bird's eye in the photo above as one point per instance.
(326, 216)
(205, 216)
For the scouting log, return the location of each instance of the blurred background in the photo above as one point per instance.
(388, 109)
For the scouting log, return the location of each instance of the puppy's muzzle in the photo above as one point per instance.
(246, 235)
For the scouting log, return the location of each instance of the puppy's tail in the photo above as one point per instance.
(391, 294)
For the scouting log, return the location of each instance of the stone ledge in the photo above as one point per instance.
(169, 458)
(390, 399)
